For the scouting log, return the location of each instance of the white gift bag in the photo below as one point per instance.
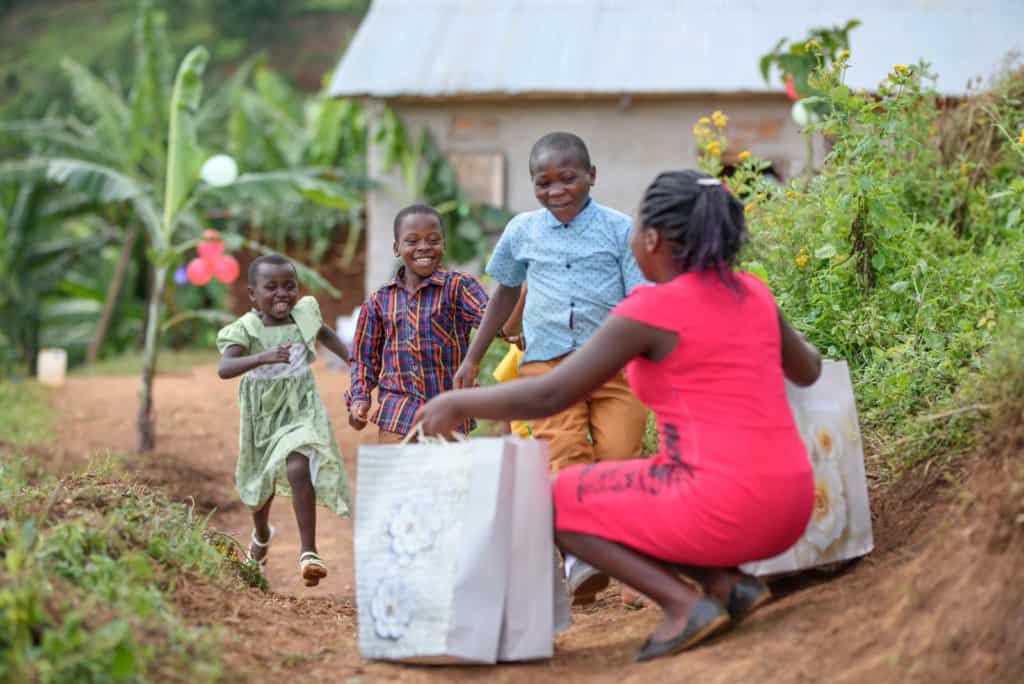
(840, 526)
(435, 530)
(531, 621)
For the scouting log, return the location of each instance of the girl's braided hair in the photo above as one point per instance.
(700, 217)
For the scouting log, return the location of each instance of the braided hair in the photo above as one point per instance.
(700, 217)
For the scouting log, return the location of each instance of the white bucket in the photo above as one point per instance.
(51, 366)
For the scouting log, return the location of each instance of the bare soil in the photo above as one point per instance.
(940, 600)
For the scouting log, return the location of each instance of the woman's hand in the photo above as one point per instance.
(441, 415)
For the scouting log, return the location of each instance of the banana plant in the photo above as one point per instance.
(173, 222)
(36, 252)
(272, 126)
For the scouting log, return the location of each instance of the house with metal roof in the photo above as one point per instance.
(631, 77)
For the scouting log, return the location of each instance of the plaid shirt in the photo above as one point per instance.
(410, 345)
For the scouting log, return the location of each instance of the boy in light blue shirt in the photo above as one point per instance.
(574, 254)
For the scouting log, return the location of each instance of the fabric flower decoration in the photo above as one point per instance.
(825, 443)
(413, 529)
(391, 609)
(828, 520)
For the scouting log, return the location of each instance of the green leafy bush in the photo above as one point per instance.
(904, 252)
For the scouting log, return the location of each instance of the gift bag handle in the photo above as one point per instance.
(417, 433)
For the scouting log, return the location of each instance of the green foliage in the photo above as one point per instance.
(873, 261)
(44, 244)
(272, 126)
(89, 566)
(800, 60)
(429, 177)
(26, 418)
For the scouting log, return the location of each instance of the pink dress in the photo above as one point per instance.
(732, 482)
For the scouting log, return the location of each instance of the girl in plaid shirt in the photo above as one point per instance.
(412, 333)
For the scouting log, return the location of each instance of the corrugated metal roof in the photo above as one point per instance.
(439, 48)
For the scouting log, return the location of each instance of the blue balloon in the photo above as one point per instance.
(181, 277)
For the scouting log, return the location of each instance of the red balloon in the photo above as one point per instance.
(791, 89)
(226, 270)
(210, 251)
(199, 272)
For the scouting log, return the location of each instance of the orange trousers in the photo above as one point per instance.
(612, 417)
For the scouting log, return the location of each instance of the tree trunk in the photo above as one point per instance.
(145, 423)
(113, 292)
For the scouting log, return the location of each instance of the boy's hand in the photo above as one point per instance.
(280, 354)
(357, 414)
(466, 375)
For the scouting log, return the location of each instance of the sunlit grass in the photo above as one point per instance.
(25, 414)
(169, 361)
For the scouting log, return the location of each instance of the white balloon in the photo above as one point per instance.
(218, 170)
(803, 115)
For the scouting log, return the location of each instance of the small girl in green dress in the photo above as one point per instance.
(286, 443)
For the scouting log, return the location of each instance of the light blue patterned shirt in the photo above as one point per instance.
(576, 273)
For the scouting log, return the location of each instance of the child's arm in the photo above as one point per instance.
(233, 364)
(365, 364)
(512, 331)
(801, 361)
(497, 312)
(330, 339)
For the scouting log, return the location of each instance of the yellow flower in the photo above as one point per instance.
(720, 119)
(964, 168)
(791, 195)
(901, 68)
(704, 120)
(699, 130)
(845, 54)
(761, 196)
(749, 207)
(1022, 136)
(801, 261)
(714, 148)
(745, 154)
(812, 44)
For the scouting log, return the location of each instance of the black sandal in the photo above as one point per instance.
(747, 595)
(706, 618)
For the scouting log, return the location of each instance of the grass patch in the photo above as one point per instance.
(169, 362)
(25, 416)
(89, 566)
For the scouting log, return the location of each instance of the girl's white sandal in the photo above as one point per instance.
(262, 562)
(312, 567)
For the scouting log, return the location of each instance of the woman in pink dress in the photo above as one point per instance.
(707, 349)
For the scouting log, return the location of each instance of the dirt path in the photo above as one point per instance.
(872, 623)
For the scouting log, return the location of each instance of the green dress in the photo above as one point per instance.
(281, 412)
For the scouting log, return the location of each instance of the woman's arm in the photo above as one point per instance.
(801, 361)
(330, 339)
(616, 342)
(233, 364)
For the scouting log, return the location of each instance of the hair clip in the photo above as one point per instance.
(708, 181)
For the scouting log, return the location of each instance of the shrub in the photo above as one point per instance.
(903, 253)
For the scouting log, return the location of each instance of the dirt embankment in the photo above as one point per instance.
(939, 600)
